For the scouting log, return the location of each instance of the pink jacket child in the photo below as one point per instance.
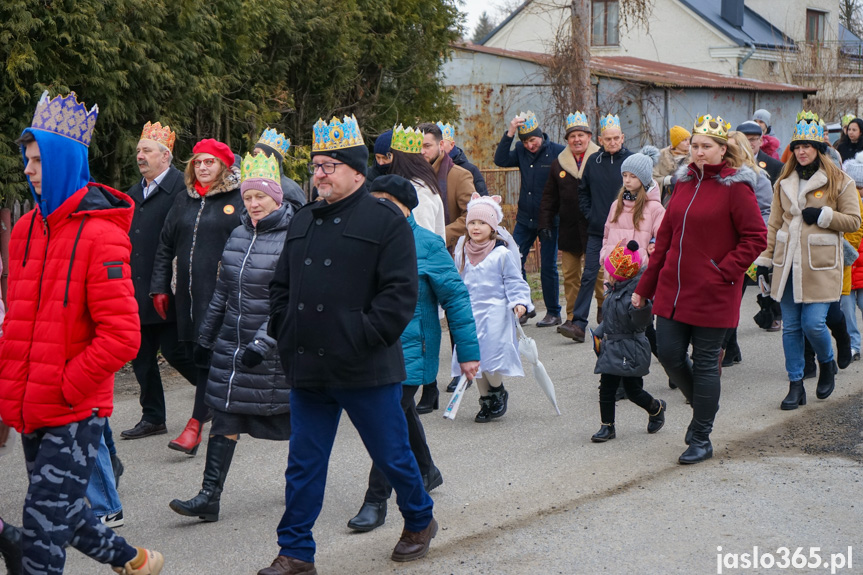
(620, 226)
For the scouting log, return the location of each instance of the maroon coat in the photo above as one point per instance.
(711, 234)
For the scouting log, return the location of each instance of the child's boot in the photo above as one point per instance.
(145, 563)
(657, 416)
(499, 397)
(484, 415)
(605, 433)
(10, 548)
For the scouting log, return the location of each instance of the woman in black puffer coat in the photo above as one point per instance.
(246, 388)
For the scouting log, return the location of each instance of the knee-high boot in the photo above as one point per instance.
(220, 452)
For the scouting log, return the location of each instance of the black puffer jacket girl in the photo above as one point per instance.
(237, 319)
(625, 350)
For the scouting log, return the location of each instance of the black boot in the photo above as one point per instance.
(844, 356)
(826, 379)
(657, 416)
(432, 479)
(700, 449)
(810, 369)
(688, 437)
(499, 399)
(205, 505)
(10, 549)
(484, 415)
(371, 516)
(452, 385)
(796, 396)
(605, 433)
(429, 400)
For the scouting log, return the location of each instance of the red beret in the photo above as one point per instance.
(216, 148)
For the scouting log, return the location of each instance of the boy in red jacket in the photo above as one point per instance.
(72, 322)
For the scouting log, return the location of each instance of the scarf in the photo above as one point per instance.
(442, 165)
(201, 189)
(806, 172)
(476, 252)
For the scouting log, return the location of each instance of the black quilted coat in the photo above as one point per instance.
(237, 318)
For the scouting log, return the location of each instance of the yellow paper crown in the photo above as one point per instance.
(260, 166)
(407, 140)
(159, 133)
(707, 125)
(337, 135)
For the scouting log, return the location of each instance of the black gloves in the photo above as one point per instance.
(251, 358)
(811, 215)
(202, 356)
(762, 271)
(545, 235)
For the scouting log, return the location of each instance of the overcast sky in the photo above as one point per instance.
(473, 9)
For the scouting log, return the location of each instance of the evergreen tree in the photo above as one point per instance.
(483, 28)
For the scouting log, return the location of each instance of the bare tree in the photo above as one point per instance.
(850, 15)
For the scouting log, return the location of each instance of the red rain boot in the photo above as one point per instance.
(189, 439)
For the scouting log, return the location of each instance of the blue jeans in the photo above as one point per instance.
(848, 303)
(102, 489)
(581, 310)
(60, 461)
(525, 238)
(799, 319)
(378, 417)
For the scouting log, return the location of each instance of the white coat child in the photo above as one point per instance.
(492, 274)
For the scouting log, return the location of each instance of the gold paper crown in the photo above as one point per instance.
(260, 166)
(407, 140)
(608, 122)
(809, 128)
(530, 122)
(577, 120)
(447, 130)
(707, 125)
(159, 133)
(624, 264)
(276, 141)
(65, 116)
(337, 135)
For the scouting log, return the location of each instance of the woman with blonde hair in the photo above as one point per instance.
(195, 231)
(814, 203)
(711, 232)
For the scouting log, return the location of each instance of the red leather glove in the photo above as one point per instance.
(160, 302)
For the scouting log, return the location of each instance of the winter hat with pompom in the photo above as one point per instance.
(854, 168)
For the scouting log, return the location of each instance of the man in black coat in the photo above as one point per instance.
(769, 164)
(600, 183)
(344, 290)
(154, 195)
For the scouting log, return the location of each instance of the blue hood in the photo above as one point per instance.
(65, 169)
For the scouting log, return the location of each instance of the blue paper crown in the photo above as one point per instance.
(337, 134)
(276, 141)
(808, 128)
(447, 130)
(609, 122)
(530, 122)
(577, 120)
(65, 116)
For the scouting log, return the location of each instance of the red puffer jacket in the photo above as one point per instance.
(711, 233)
(72, 319)
(857, 272)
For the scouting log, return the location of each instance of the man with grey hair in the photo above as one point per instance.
(154, 195)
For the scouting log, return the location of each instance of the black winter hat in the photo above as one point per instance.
(357, 157)
(398, 187)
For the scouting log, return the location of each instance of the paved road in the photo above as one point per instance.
(530, 493)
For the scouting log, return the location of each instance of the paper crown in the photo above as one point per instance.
(65, 116)
(624, 261)
(159, 133)
(260, 166)
(407, 140)
(808, 128)
(609, 122)
(846, 119)
(530, 122)
(707, 125)
(448, 131)
(337, 135)
(276, 141)
(578, 120)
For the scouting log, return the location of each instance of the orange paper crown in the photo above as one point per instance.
(159, 133)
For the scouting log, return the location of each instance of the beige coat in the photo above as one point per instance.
(668, 164)
(811, 254)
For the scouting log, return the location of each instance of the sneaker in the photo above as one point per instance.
(112, 520)
(153, 563)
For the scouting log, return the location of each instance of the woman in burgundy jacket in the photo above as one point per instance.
(711, 233)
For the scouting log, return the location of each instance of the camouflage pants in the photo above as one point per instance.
(60, 462)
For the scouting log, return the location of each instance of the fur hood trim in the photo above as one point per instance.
(743, 174)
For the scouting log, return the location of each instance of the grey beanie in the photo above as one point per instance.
(762, 115)
(641, 166)
(854, 168)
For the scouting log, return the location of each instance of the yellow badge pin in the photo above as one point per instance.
(562, 173)
(818, 194)
(229, 209)
(762, 164)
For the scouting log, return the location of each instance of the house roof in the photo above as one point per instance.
(848, 37)
(506, 21)
(755, 30)
(648, 72)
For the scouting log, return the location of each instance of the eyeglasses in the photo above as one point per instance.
(327, 168)
(208, 162)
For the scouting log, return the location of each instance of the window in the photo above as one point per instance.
(606, 15)
(815, 24)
